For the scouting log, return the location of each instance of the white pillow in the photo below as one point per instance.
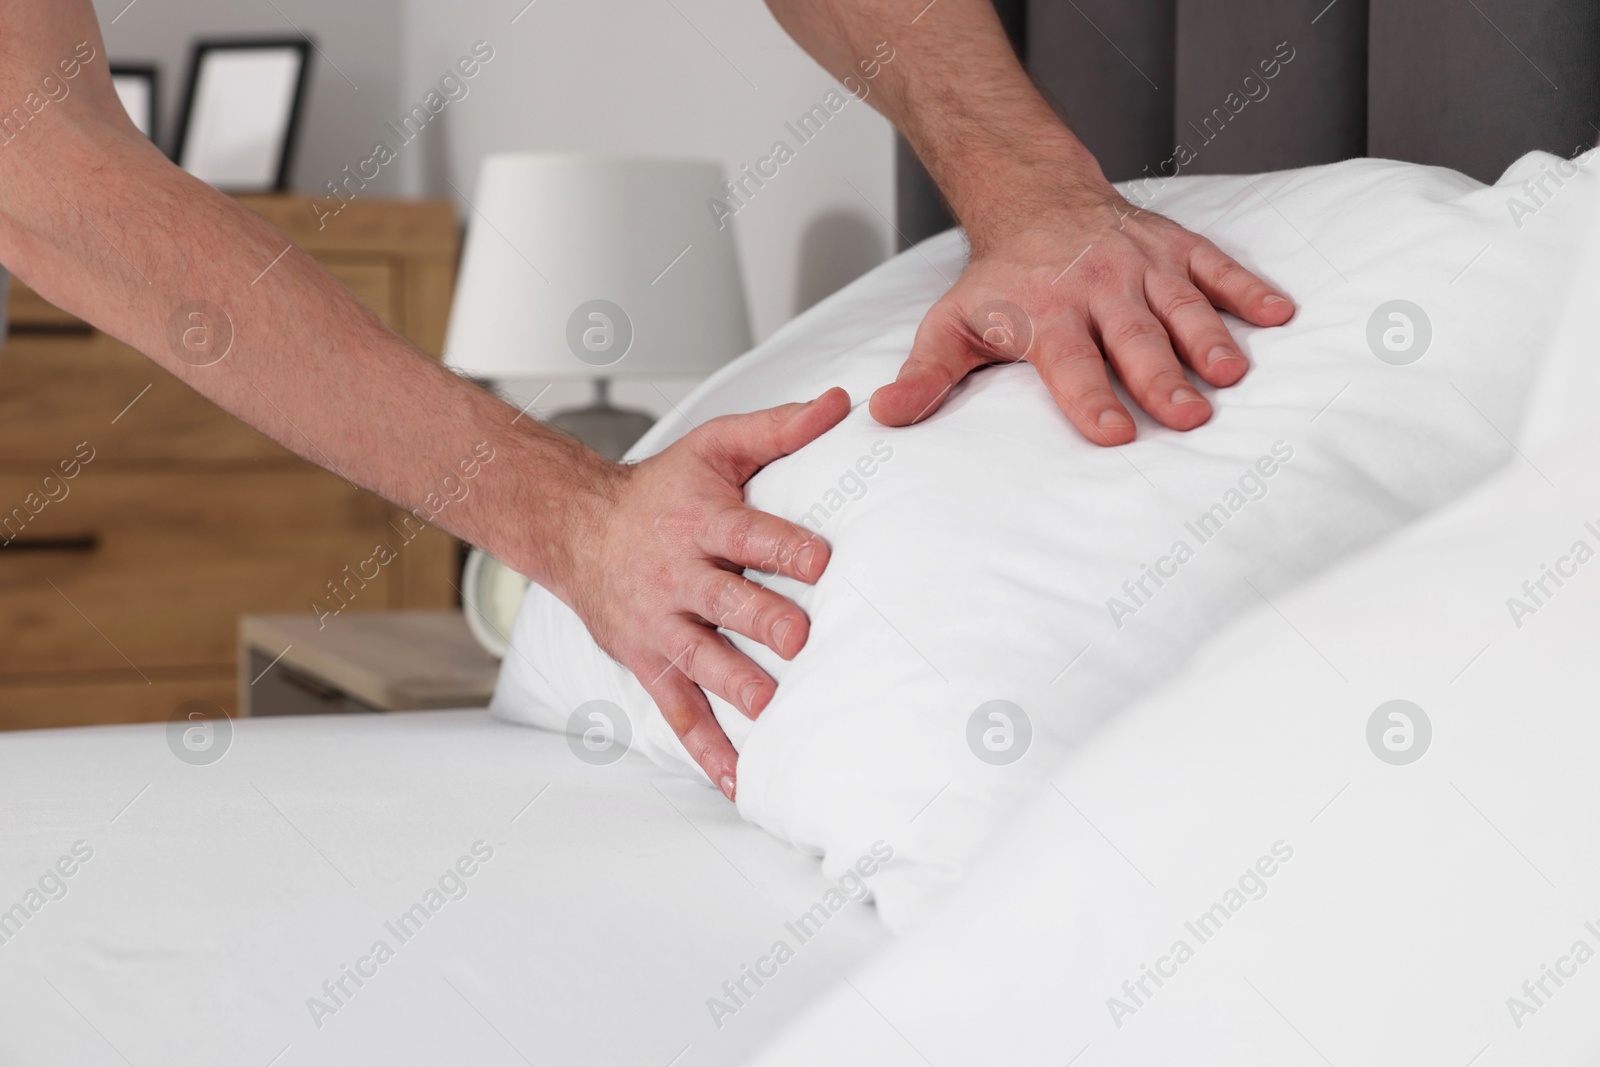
(1428, 911)
(1562, 403)
(982, 556)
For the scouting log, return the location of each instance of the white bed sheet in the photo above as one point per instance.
(219, 898)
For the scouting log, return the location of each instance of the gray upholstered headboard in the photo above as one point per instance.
(1468, 84)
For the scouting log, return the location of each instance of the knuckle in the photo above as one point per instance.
(1165, 380)
(703, 665)
(700, 749)
(1078, 352)
(1073, 394)
(678, 712)
(718, 440)
(681, 718)
(1086, 405)
(714, 428)
(705, 443)
(1228, 274)
(1181, 301)
(717, 601)
(726, 673)
(940, 360)
(1095, 399)
(742, 595)
(947, 314)
(782, 553)
(737, 533)
(1134, 332)
(687, 658)
(762, 620)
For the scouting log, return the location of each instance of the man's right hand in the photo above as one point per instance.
(656, 564)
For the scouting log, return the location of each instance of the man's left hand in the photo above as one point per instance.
(1093, 283)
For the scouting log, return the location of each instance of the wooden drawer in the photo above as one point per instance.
(60, 388)
(83, 701)
(154, 569)
(372, 279)
(57, 390)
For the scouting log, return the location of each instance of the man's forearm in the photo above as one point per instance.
(100, 224)
(955, 89)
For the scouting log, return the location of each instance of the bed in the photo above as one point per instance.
(208, 904)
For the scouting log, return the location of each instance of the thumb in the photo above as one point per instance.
(743, 444)
(943, 353)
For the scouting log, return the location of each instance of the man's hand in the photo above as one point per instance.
(1094, 278)
(1098, 276)
(656, 569)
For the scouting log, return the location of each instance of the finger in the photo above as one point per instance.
(1074, 371)
(706, 658)
(1195, 329)
(1235, 290)
(740, 445)
(688, 712)
(1137, 345)
(765, 543)
(734, 602)
(942, 354)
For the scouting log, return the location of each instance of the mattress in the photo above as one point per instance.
(428, 887)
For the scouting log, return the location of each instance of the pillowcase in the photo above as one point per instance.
(1269, 861)
(999, 586)
(1561, 404)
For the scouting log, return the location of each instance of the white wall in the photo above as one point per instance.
(637, 77)
(684, 78)
(355, 81)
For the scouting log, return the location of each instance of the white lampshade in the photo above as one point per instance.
(587, 267)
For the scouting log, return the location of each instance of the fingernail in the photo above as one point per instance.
(1273, 298)
(748, 697)
(807, 556)
(1222, 354)
(1112, 419)
(780, 636)
(1184, 395)
(725, 783)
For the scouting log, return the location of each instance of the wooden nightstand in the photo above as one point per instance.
(120, 601)
(384, 661)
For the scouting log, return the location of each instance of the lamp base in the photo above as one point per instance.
(609, 430)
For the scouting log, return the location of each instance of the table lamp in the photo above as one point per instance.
(589, 268)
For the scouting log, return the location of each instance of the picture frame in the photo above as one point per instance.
(138, 86)
(241, 112)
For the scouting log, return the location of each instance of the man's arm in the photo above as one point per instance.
(96, 220)
(1091, 271)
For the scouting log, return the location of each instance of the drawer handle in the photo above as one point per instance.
(67, 326)
(82, 543)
